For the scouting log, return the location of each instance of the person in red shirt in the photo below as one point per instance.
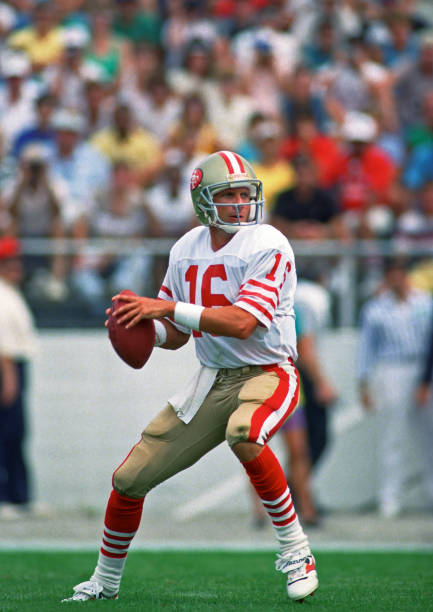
(323, 149)
(366, 171)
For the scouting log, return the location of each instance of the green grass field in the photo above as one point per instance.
(207, 580)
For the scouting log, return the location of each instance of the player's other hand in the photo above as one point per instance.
(136, 308)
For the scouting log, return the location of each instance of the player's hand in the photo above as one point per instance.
(138, 308)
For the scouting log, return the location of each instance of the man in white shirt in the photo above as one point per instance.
(231, 282)
(392, 348)
(17, 345)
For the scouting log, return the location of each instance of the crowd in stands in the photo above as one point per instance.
(106, 107)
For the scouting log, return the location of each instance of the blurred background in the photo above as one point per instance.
(105, 109)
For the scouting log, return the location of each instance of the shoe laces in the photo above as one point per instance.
(87, 590)
(294, 564)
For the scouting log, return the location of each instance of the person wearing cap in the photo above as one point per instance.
(64, 78)
(16, 96)
(367, 172)
(17, 347)
(83, 168)
(35, 201)
(394, 326)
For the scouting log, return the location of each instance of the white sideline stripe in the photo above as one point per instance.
(209, 499)
(327, 546)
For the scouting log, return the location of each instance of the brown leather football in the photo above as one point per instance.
(134, 345)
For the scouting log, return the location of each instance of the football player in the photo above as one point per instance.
(231, 283)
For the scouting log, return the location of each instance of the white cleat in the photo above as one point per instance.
(87, 591)
(300, 568)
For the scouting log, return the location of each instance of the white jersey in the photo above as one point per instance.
(255, 271)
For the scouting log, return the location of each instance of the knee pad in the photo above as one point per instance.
(133, 478)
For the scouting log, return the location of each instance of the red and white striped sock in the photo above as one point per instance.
(122, 519)
(269, 481)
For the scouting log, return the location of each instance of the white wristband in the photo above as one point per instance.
(160, 333)
(188, 315)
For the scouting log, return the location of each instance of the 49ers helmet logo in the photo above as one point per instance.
(196, 177)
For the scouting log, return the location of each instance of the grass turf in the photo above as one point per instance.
(207, 580)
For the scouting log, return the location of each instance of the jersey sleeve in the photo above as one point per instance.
(270, 276)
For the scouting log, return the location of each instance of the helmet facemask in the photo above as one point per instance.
(209, 209)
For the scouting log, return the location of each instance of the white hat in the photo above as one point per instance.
(14, 64)
(35, 152)
(267, 130)
(75, 37)
(93, 72)
(68, 120)
(358, 127)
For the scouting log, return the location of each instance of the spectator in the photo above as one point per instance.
(321, 53)
(79, 164)
(261, 82)
(16, 98)
(306, 211)
(270, 27)
(367, 172)
(155, 107)
(299, 99)
(125, 141)
(17, 347)
(400, 52)
(306, 140)
(385, 219)
(415, 227)
(194, 119)
(248, 147)
(146, 64)
(392, 348)
(186, 26)
(136, 25)
(414, 83)
(42, 41)
(229, 111)
(277, 173)
(35, 205)
(419, 166)
(196, 75)
(169, 199)
(64, 79)
(97, 104)
(109, 53)
(41, 132)
(119, 213)
(421, 132)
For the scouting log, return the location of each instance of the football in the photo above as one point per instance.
(134, 345)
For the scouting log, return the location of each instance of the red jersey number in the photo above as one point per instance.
(208, 299)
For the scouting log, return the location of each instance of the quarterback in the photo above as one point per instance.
(230, 283)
